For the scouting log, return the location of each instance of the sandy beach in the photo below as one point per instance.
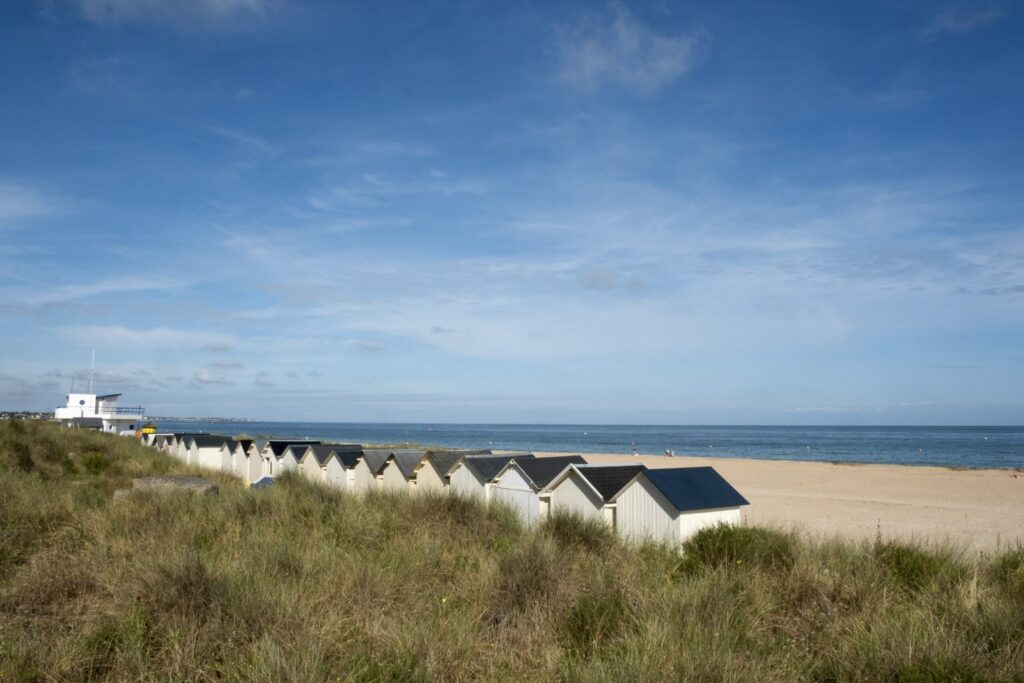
(981, 510)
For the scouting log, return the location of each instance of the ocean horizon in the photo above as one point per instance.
(967, 447)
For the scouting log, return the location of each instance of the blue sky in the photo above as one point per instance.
(670, 213)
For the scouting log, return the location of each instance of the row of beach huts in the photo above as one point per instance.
(668, 504)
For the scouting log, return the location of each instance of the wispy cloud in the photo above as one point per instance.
(246, 142)
(187, 13)
(37, 296)
(622, 51)
(148, 339)
(959, 20)
(19, 202)
(205, 377)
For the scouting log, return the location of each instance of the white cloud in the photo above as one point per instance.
(620, 50)
(19, 202)
(148, 339)
(39, 296)
(957, 21)
(204, 377)
(182, 12)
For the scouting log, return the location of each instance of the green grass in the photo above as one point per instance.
(300, 582)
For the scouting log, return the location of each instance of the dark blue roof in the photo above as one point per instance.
(695, 488)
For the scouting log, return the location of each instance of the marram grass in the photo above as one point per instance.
(299, 582)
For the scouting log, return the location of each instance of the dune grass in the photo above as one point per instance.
(300, 582)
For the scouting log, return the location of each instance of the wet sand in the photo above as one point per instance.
(975, 509)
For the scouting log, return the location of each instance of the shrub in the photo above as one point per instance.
(740, 547)
(95, 463)
(594, 621)
(912, 567)
(573, 530)
(1008, 570)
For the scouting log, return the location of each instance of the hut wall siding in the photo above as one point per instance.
(336, 475)
(428, 479)
(392, 478)
(512, 489)
(465, 483)
(689, 523)
(643, 513)
(574, 495)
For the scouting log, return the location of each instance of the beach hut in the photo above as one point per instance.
(672, 504)
(471, 477)
(587, 489)
(432, 472)
(274, 450)
(520, 484)
(338, 470)
(238, 457)
(292, 456)
(177, 445)
(252, 469)
(399, 471)
(365, 473)
(159, 441)
(206, 450)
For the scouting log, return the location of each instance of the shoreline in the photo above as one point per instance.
(979, 509)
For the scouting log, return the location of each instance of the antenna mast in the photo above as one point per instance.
(92, 369)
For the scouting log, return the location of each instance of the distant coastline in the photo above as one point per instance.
(951, 447)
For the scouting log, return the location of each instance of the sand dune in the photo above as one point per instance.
(976, 509)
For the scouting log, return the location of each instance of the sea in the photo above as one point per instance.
(962, 447)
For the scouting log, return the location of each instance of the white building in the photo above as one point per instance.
(253, 467)
(432, 472)
(274, 450)
(366, 472)
(586, 490)
(100, 412)
(521, 483)
(471, 477)
(207, 450)
(340, 468)
(324, 462)
(672, 504)
(399, 471)
(238, 457)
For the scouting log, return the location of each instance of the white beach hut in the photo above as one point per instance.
(365, 473)
(672, 504)
(238, 457)
(274, 450)
(520, 484)
(471, 477)
(432, 472)
(339, 468)
(399, 471)
(587, 490)
(207, 450)
(253, 467)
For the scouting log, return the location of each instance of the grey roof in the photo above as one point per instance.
(263, 482)
(278, 446)
(609, 479)
(321, 452)
(298, 449)
(695, 488)
(541, 471)
(244, 443)
(375, 458)
(444, 461)
(486, 466)
(207, 440)
(407, 460)
(260, 444)
(348, 457)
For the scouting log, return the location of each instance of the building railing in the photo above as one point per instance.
(125, 411)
